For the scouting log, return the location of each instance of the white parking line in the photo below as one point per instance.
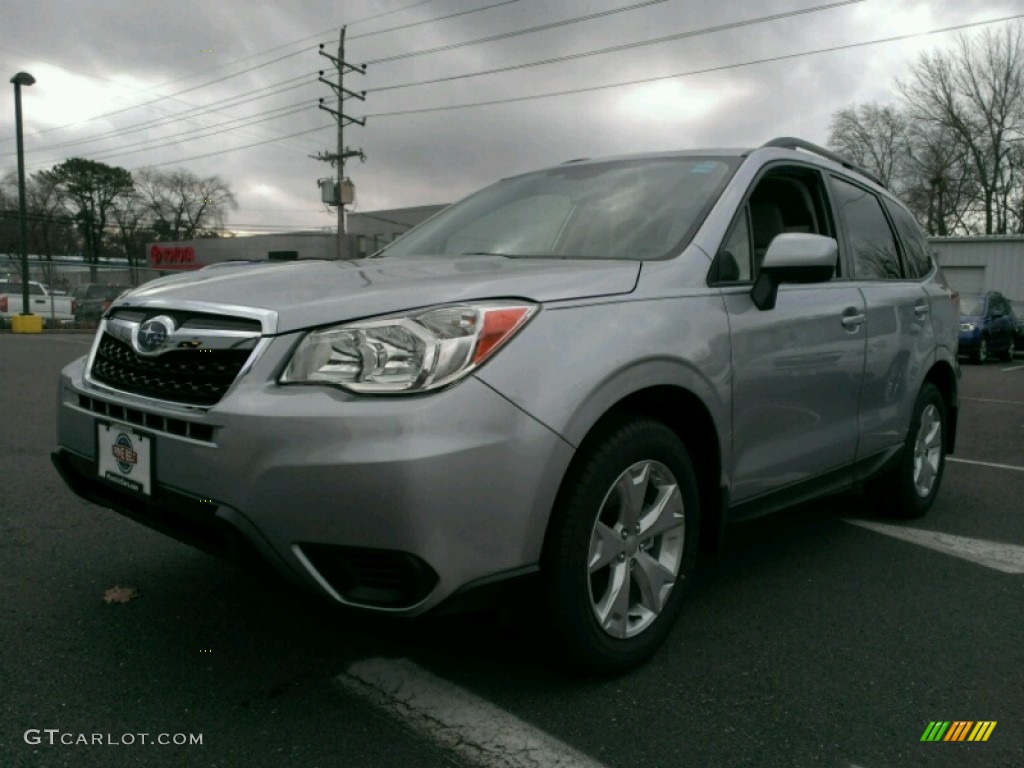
(985, 464)
(1008, 558)
(1014, 368)
(455, 719)
(989, 400)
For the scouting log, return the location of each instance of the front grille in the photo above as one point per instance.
(192, 376)
(375, 577)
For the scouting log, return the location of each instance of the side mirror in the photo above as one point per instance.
(793, 258)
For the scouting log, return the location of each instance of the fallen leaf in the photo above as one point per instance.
(117, 594)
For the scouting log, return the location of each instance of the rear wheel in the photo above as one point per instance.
(908, 490)
(622, 540)
(1010, 352)
(981, 353)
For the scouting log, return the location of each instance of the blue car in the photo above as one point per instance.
(987, 326)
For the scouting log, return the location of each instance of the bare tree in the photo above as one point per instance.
(874, 137)
(49, 228)
(132, 220)
(182, 204)
(941, 187)
(976, 92)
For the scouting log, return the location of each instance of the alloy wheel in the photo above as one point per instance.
(927, 450)
(636, 549)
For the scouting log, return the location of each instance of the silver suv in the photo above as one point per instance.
(586, 371)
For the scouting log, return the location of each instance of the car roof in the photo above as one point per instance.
(784, 147)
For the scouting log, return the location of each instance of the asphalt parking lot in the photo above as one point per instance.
(809, 641)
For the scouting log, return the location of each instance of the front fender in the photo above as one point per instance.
(572, 364)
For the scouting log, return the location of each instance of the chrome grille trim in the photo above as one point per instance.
(200, 361)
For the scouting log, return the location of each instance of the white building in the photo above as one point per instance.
(983, 263)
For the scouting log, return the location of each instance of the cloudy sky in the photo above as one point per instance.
(230, 87)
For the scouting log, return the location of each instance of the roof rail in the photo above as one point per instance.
(788, 142)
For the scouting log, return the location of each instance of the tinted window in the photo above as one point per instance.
(973, 306)
(33, 289)
(915, 247)
(872, 242)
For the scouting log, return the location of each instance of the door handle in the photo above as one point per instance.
(850, 322)
(921, 311)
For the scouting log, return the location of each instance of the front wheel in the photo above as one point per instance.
(909, 489)
(622, 540)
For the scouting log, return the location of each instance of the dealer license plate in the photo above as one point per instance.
(125, 457)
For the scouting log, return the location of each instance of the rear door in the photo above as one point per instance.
(900, 337)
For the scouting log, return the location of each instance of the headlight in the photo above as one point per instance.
(413, 352)
(967, 326)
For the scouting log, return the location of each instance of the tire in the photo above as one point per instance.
(908, 490)
(1008, 355)
(980, 355)
(608, 540)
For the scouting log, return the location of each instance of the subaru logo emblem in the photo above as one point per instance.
(152, 334)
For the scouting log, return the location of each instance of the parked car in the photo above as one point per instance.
(987, 326)
(580, 372)
(91, 300)
(1018, 322)
(54, 309)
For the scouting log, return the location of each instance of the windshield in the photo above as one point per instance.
(33, 289)
(624, 209)
(973, 306)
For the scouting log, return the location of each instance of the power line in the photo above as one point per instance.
(204, 110)
(95, 77)
(428, 21)
(292, 109)
(388, 13)
(723, 67)
(516, 33)
(264, 64)
(243, 146)
(624, 46)
(333, 30)
(159, 122)
(170, 95)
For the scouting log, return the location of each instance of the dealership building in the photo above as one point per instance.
(367, 233)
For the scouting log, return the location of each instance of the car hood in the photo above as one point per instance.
(312, 293)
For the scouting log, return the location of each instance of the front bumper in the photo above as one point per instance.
(969, 341)
(432, 494)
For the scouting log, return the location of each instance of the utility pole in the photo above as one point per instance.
(338, 158)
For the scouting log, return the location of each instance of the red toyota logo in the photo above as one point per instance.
(176, 256)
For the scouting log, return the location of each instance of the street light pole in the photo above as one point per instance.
(20, 79)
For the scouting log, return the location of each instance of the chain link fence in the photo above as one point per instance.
(81, 292)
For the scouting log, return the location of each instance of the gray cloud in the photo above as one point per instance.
(440, 156)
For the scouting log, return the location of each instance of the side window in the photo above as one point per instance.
(786, 199)
(874, 247)
(915, 247)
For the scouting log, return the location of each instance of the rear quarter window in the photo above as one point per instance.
(873, 245)
(916, 257)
